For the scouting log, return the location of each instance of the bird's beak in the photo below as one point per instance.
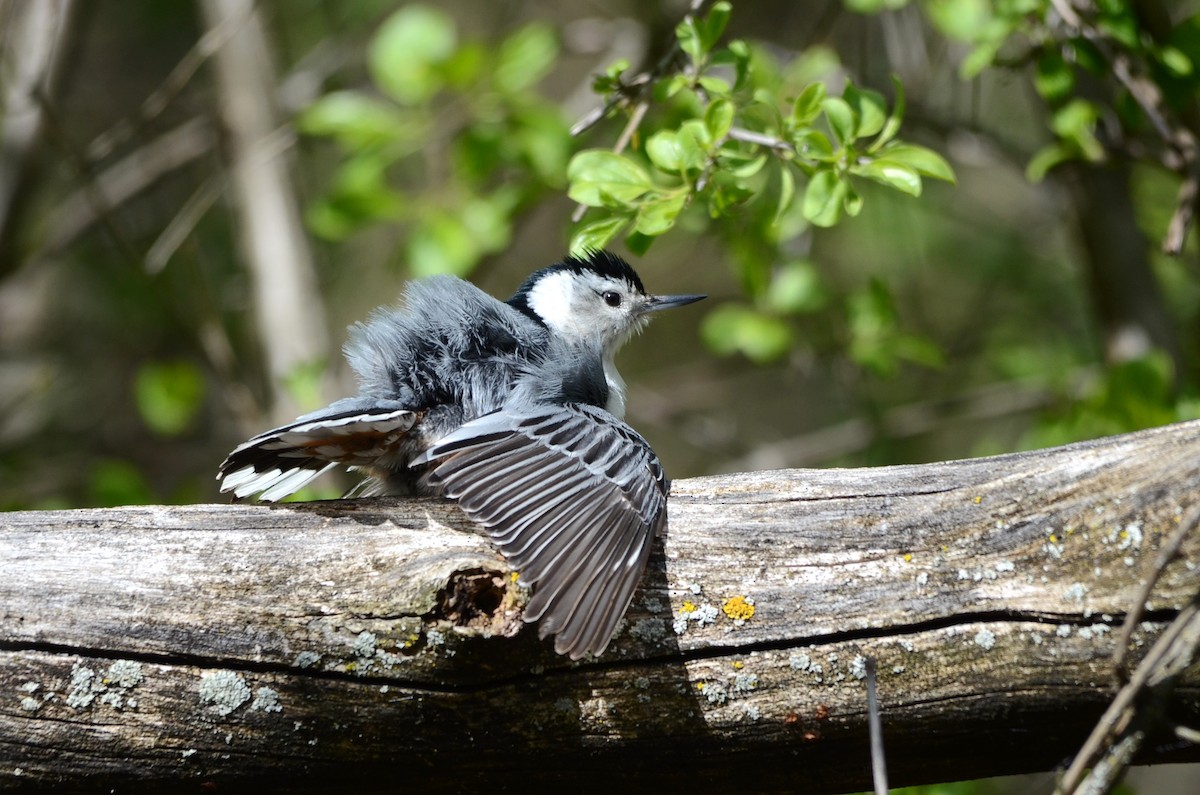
(658, 302)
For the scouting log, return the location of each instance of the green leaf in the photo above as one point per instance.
(823, 198)
(690, 40)
(1045, 159)
(718, 119)
(815, 145)
(1176, 62)
(359, 121)
(638, 243)
(656, 217)
(787, 193)
(734, 328)
(893, 174)
(714, 24)
(169, 395)
(525, 57)
(921, 159)
(597, 234)
(665, 151)
(739, 165)
(1075, 122)
(714, 85)
(892, 126)
(600, 178)
(869, 108)
(696, 143)
(840, 117)
(853, 202)
(964, 20)
(796, 288)
(1053, 77)
(808, 104)
(404, 54)
(979, 59)
(441, 243)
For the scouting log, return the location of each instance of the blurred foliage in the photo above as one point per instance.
(453, 144)
(795, 166)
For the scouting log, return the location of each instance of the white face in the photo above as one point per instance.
(589, 307)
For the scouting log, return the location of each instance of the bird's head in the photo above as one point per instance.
(596, 299)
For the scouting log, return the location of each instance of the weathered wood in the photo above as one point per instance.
(378, 644)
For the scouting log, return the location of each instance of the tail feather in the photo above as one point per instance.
(282, 461)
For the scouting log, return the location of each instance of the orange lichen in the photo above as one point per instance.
(738, 608)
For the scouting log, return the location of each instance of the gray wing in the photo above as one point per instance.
(351, 432)
(574, 499)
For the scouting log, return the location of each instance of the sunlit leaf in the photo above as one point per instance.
(823, 198)
(656, 217)
(525, 57)
(808, 105)
(665, 151)
(893, 174)
(734, 328)
(597, 234)
(869, 109)
(599, 176)
(796, 288)
(924, 161)
(718, 118)
(841, 118)
(407, 49)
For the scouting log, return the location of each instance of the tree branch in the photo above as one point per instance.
(343, 644)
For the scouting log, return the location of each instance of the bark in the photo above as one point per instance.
(377, 644)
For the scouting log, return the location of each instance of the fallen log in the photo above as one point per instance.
(378, 644)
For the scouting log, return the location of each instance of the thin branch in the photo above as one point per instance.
(761, 139)
(1121, 728)
(1166, 555)
(97, 197)
(875, 728)
(635, 91)
(212, 40)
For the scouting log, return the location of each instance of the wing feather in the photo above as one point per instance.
(574, 499)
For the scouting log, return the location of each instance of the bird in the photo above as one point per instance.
(515, 410)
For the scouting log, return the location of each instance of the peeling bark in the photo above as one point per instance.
(377, 644)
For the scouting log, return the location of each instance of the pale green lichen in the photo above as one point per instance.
(84, 687)
(649, 630)
(112, 689)
(985, 639)
(224, 691)
(266, 699)
(306, 659)
(364, 644)
(125, 674)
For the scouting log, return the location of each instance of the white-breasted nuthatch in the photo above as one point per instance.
(514, 410)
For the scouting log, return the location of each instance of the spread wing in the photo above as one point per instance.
(351, 432)
(574, 499)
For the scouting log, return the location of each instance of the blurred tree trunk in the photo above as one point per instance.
(32, 37)
(1130, 309)
(287, 304)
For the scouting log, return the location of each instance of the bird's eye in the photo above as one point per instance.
(612, 299)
